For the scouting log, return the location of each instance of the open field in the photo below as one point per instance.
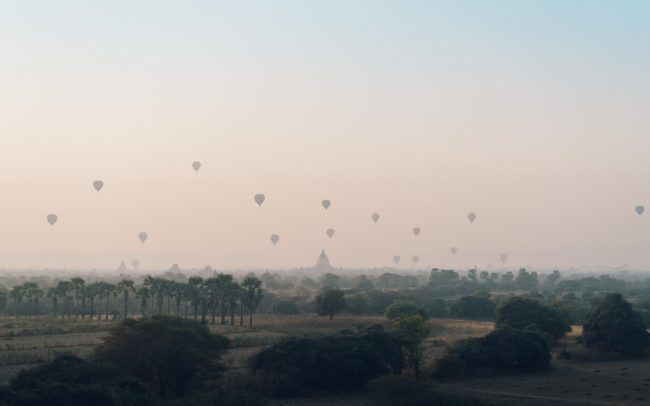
(583, 380)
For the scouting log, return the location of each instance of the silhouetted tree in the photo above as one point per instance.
(329, 302)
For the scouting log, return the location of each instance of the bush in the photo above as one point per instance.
(339, 362)
(523, 313)
(71, 381)
(168, 353)
(393, 390)
(400, 309)
(286, 307)
(503, 350)
(356, 303)
(614, 327)
(474, 307)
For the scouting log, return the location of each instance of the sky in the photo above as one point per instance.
(532, 114)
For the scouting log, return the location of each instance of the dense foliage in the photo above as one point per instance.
(613, 326)
(503, 350)
(165, 352)
(525, 313)
(331, 364)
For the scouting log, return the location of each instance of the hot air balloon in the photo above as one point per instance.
(639, 209)
(375, 217)
(503, 258)
(135, 264)
(52, 219)
(143, 237)
(196, 165)
(330, 232)
(396, 259)
(259, 199)
(275, 238)
(326, 204)
(415, 259)
(453, 250)
(98, 185)
(416, 231)
(471, 217)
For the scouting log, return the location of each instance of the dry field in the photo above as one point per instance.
(583, 380)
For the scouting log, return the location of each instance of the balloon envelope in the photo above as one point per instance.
(396, 259)
(375, 217)
(639, 209)
(415, 259)
(143, 237)
(135, 263)
(503, 258)
(259, 199)
(52, 218)
(453, 250)
(98, 185)
(326, 204)
(330, 232)
(471, 217)
(196, 165)
(275, 238)
(416, 231)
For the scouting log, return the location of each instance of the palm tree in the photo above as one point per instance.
(252, 296)
(31, 292)
(17, 294)
(223, 284)
(124, 287)
(53, 294)
(107, 290)
(63, 287)
(143, 294)
(177, 290)
(90, 292)
(194, 284)
(77, 286)
(233, 294)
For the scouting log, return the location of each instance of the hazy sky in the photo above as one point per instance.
(533, 114)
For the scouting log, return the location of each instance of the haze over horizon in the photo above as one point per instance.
(533, 115)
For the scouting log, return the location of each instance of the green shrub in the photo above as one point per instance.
(399, 309)
(474, 307)
(339, 362)
(286, 307)
(523, 313)
(503, 350)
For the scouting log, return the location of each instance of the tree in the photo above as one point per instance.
(92, 290)
(252, 295)
(71, 381)
(526, 280)
(364, 283)
(331, 280)
(474, 307)
(331, 363)
(165, 352)
(77, 288)
(143, 294)
(502, 350)
(442, 277)
(124, 287)
(523, 313)
(613, 326)
(400, 309)
(107, 290)
(329, 302)
(412, 330)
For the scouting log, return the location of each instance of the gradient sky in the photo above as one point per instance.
(533, 114)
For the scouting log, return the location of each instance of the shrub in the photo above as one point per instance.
(394, 390)
(334, 363)
(356, 303)
(614, 327)
(168, 353)
(503, 350)
(71, 381)
(474, 307)
(523, 313)
(399, 309)
(286, 307)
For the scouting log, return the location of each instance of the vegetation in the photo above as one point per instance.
(504, 350)
(329, 364)
(329, 302)
(522, 313)
(167, 353)
(614, 327)
(400, 309)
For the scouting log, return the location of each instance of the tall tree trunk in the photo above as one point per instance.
(106, 315)
(250, 318)
(241, 314)
(92, 306)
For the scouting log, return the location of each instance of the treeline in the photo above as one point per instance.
(207, 299)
